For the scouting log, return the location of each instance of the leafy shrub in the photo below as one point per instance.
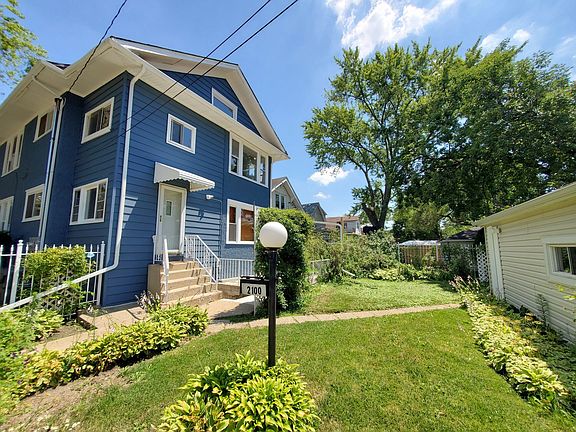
(194, 320)
(536, 363)
(292, 269)
(408, 272)
(149, 302)
(243, 396)
(53, 266)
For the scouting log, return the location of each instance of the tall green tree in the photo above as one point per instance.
(377, 119)
(513, 138)
(17, 48)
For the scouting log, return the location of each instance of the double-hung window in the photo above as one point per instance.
(241, 219)
(6, 213)
(33, 204)
(12, 153)
(89, 203)
(561, 259)
(43, 124)
(224, 104)
(181, 134)
(247, 162)
(280, 201)
(98, 121)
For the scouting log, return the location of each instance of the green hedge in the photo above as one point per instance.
(243, 396)
(535, 361)
(292, 267)
(36, 371)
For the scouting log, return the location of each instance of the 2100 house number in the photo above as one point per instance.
(257, 290)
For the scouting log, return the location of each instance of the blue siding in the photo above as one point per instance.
(203, 85)
(30, 173)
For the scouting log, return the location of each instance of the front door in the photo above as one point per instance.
(171, 216)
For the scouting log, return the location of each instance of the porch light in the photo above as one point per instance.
(273, 235)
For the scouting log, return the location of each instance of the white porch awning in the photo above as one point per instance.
(164, 173)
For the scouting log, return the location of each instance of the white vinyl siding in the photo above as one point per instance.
(98, 121)
(33, 204)
(248, 163)
(6, 206)
(12, 153)
(89, 203)
(181, 134)
(525, 251)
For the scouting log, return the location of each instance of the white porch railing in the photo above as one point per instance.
(16, 289)
(231, 268)
(196, 249)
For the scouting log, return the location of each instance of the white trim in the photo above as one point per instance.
(259, 154)
(555, 276)
(48, 125)
(103, 131)
(6, 203)
(493, 251)
(32, 191)
(239, 205)
(172, 118)
(159, 209)
(18, 138)
(82, 204)
(224, 100)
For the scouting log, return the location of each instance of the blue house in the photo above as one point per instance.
(148, 147)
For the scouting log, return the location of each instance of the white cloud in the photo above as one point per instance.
(322, 196)
(492, 40)
(329, 175)
(383, 21)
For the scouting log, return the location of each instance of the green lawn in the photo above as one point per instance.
(368, 294)
(414, 372)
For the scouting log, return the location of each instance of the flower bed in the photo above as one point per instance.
(533, 358)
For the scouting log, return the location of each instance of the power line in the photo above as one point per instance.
(99, 42)
(212, 67)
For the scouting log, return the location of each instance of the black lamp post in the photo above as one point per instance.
(273, 236)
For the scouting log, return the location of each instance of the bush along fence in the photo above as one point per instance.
(23, 373)
(27, 271)
(537, 363)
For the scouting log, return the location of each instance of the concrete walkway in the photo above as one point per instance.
(218, 311)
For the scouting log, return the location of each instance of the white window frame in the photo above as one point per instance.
(171, 119)
(239, 205)
(281, 197)
(6, 208)
(259, 154)
(17, 138)
(225, 101)
(33, 191)
(50, 117)
(82, 204)
(85, 137)
(555, 276)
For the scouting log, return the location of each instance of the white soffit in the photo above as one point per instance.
(164, 173)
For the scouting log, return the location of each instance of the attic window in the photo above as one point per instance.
(98, 121)
(224, 104)
(43, 125)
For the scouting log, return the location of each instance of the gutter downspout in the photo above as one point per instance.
(53, 151)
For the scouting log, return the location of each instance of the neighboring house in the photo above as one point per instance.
(131, 154)
(283, 195)
(350, 224)
(316, 211)
(466, 238)
(532, 253)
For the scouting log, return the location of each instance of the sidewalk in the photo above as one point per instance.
(218, 311)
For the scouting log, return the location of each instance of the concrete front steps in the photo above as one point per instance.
(188, 283)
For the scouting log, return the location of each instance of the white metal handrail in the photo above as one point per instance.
(166, 268)
(196, 249)
(232, 268)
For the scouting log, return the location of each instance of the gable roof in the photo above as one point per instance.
(339, 219)
(467, 235)
(46, 80)
(310, 207)
(559, 198)
(277, 182)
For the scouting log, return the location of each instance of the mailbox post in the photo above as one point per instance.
(273, 236)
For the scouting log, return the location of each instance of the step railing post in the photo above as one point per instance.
(16, 271)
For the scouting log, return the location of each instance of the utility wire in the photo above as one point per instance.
(101, 39)
(213, 66)
(179, 80)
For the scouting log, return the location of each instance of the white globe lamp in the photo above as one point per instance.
(273, 235)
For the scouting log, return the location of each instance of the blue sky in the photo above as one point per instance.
(290, 63)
